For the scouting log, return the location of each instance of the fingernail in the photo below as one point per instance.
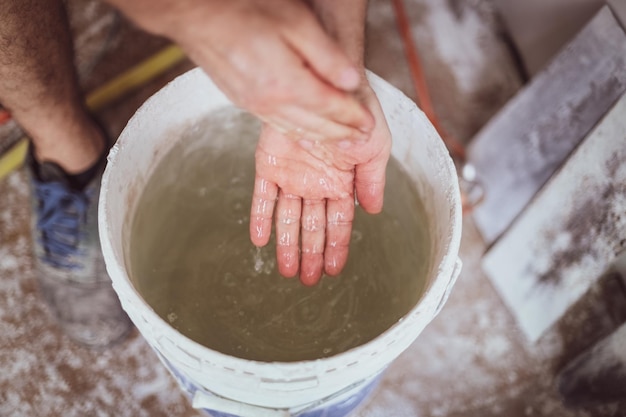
(350, 79)
(310, 279)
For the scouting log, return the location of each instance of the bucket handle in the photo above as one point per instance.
(213, 402)
(223, 405)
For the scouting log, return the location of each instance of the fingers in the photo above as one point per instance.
(312, 106)
(312, 124)
(369, 182)
(333, 105)
(325, 228)
(323, 54)
(262, 210)
(313, 236)
(278, 64)
(339, 215)
(288, 213)
(287, 93)
(369, 177)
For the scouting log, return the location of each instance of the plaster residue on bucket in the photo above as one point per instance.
(191, 259)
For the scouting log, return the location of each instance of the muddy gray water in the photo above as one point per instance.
(191, 259)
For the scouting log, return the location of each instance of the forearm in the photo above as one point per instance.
(344, 20)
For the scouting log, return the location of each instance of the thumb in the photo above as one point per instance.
(369, 182)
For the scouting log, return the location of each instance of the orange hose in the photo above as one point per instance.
(419, 81)
(5, 116)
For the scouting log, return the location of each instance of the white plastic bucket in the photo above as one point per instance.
(226, 385)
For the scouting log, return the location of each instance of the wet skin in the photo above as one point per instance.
(307, 187)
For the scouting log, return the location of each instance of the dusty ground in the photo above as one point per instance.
(471, 361)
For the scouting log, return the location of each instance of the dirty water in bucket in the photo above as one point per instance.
(191, 259)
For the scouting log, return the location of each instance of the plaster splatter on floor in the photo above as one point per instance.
(43, 372)
(470, 361)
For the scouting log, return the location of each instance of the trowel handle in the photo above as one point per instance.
(223, 405)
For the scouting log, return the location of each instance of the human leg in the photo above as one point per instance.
(38, 84)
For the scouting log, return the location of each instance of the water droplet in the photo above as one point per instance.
(284, 239)
(258, 261)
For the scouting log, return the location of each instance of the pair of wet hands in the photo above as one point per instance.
(325, 137)
(307, 188)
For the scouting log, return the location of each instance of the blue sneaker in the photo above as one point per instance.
(70, 268)
(63, 223)
(65, 228)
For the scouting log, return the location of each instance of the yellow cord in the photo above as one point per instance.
(13, 158)
(135, 77)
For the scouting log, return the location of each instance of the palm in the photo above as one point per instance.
(312, 185)
(311, 173)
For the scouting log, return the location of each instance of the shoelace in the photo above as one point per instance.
(61, 214)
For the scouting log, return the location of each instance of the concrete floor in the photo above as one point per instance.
(470, 361)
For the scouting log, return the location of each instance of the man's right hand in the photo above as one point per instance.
(270, 57)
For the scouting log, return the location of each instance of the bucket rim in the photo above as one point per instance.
(431, 298)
